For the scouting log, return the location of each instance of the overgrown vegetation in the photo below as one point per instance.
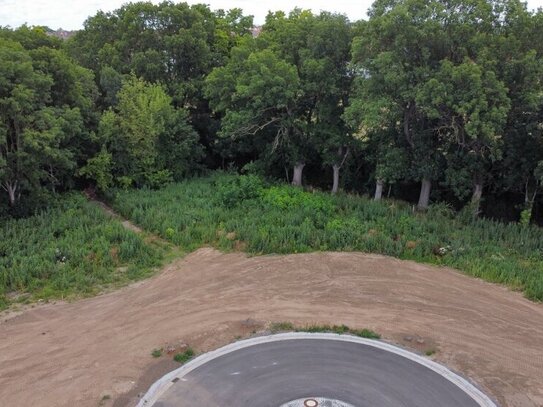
(73, 248)
(286, 219)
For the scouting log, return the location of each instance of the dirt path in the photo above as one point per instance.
(75, 354)
(125, 222)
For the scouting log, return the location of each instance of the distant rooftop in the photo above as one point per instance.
(60, 33)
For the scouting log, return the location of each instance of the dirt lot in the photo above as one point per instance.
(75, 354)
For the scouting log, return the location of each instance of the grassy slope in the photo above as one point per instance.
(71, 249)
(282, 219)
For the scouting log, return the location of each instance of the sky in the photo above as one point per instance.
(70, 14)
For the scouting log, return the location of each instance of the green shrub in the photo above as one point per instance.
(184, 357)
(233, 191)
(159, 179)
(292, 198)
(526, 216)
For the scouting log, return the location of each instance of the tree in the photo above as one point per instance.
(45, 100)
(257, 92)
(299, 63)
(397, 50)
(521, 69)
(147, 141)
(175, 45)
(430, 67)
(470, 105)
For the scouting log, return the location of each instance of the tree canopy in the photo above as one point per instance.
(425, 100)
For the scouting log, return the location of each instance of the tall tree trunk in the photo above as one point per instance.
(378, 190)
(335, 187)
(424, 197)
(342, 154)
(477, 194)
(297, 175)
(11, 188)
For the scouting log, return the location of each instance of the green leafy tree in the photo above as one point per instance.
(46, 105)
(257, 92)
(396, 51)
(470, 105)
(284, 92)
(174, 44)
(147, 141)
(521, 69)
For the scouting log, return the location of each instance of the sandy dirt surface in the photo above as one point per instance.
(97, 351)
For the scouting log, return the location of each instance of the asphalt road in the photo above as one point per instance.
(272, 374)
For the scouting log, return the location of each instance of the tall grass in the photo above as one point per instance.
(229, 212)
(71, 249)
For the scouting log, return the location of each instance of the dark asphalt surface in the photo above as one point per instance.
(271, 374)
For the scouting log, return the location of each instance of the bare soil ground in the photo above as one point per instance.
(98, 351)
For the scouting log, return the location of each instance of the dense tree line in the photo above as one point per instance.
(426, 100)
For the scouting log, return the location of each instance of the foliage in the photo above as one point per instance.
(184, 357)
(447, 94)
(233, 191)
(144, 138)
(447, 83)
(290, 220)
(282, 94)
(71, 249)
(99, 169)
(46, 105)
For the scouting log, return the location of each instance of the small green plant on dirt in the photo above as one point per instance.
(184, 357)
(430, 352)
(156, 353)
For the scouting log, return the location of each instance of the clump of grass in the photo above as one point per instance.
(430, 352)
(285, 219)
(341, 329)
(71, 249)
(184, 357)
(281, 327)
(338, 329)
(156, 353)
(366, 333)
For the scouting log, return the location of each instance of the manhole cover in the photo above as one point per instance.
(316, 402)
